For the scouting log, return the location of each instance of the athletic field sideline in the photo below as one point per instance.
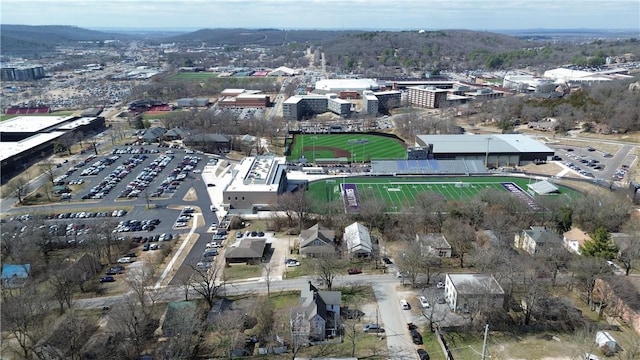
(353, 147)
(399, 192)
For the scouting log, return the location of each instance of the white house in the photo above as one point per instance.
(466, 292)
(358, 240)
(573, 239)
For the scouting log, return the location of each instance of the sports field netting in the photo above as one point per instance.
(427, 167)
(399, 193)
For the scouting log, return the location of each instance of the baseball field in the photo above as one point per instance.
(400, 192)
(353, 147)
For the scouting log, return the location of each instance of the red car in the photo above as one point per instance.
(354, 271)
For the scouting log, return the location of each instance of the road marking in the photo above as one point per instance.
(166, 271)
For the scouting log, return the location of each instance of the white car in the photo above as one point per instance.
(293, 263)
(124, 260)
(440, 285)
(213, 245)
(423, 302)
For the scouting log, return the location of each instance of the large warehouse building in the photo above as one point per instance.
(494, 150)
(25, 139)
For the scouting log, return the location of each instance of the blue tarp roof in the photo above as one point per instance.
(10, 271)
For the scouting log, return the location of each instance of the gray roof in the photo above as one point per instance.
(543, 187)
(247, 249)
(501, 143)
(153, 133)
(436, 241)
(540, 234)
(475, 284)
(213, 138)
(315, 232)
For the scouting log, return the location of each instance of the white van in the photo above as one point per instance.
(405, 305)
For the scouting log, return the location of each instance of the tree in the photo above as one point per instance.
(267, 273)
(18, 187)
(460, 236)
(186, 330)
(295, 205)
(600, 245)
(50, 169)
(63, 286)
(138, 279)
(327, 268)
(205, 283)
(23, 316)
(132, 325)
(630, 256)
(602, 209)
(586, 271)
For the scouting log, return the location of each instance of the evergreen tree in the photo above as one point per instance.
(600, 245)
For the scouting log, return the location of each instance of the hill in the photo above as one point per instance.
(27, 39)
(264, 37)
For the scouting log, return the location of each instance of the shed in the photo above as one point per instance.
(543, 188)
(15, 275)
(605, 340)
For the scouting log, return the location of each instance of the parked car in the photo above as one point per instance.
(440, 285)
(372, 328)
(124, 260)
(423, 354)
(354, 271)
(423, 301)
(387, 260)
(293, 263)
(405, 304)
(416, 337)
(107, 279)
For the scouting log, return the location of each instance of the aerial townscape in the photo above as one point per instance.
(225, 187)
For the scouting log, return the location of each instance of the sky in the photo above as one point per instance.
(326, 14)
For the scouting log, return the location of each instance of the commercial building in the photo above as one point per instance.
(257, 182)
(25, 139)
(494, 150)
(337, 85)
(22, 73)
(242, 98)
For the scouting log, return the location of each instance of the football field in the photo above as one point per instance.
(398, 192)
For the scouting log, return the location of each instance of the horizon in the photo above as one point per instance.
(488, 15)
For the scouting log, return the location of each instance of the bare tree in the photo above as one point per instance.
(327, 268)
(586, 271)
(296, 206)
(63, 286)
(267, 271)
(50, 169)
(352, 333)
(132, 323)
(18, 187)
(23, 317)
(138, 279)
(206, 284)
(460, 236)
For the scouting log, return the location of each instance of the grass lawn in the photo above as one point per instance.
(354, 147)
(242, 271)
(398, 192)
(195, 76)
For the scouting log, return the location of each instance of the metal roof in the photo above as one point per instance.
(466, 143)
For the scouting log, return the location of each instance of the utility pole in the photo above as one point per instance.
(484, 343)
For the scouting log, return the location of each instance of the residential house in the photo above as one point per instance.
(621, 294)
(434, 245)
(466, 292)
(537, 239)
(317, 242)
(211, 143)
(358, 241)
(14, 276)
(573, 239)
(250, 251)
(318, 315)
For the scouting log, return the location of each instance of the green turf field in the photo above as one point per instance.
(398, 192)
(354, 147)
